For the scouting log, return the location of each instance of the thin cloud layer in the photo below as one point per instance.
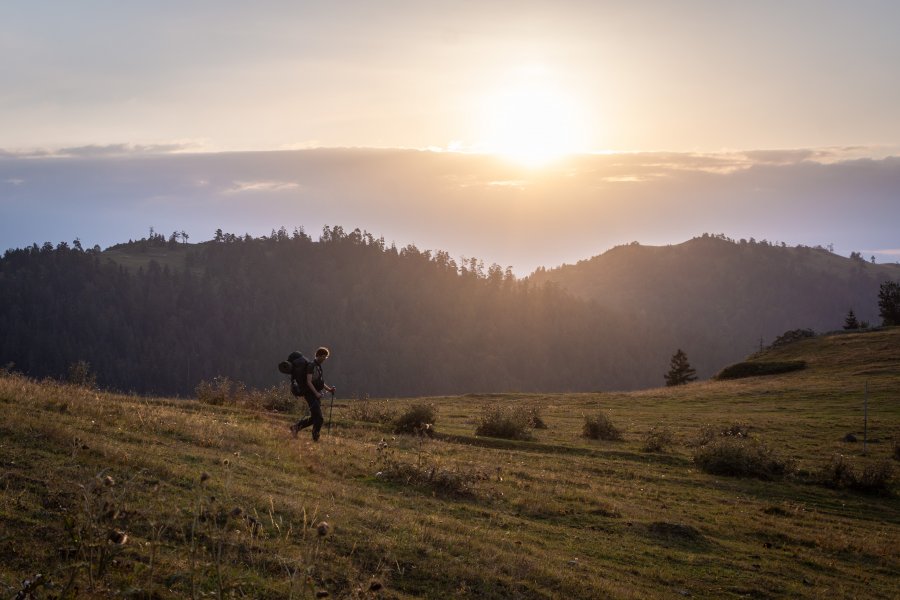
(240, 187)
(99, 151)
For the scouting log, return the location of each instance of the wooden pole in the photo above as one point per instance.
(866, 417)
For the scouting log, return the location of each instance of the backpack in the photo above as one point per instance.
(295, 366)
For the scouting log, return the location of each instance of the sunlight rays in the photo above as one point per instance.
(532, 120)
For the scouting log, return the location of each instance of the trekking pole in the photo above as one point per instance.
(330, 411)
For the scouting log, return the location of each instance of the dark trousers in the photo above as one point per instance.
(315, 417)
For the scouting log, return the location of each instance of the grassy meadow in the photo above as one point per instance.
(106, 495)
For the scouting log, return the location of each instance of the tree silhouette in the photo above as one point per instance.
(850, 322)
(680, 370)
(889, 303)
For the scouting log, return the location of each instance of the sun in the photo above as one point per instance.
(532, 122)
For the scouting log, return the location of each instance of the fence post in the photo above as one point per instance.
(866, 418)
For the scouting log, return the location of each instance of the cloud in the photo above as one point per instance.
(99, 151)
(784, 157)
(240, 187)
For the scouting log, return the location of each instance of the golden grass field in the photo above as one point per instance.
(105, 495)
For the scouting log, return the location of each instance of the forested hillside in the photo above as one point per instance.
(717, 298)
(160, 316)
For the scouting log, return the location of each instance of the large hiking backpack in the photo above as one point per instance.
(295, 366)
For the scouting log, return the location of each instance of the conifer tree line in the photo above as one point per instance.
(398, 321)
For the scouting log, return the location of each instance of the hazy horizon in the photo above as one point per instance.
(470, 205)
(528, 134)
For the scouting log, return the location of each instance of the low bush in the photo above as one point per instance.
(509, 423)
(80, 374)
(838, 473)
(875, 478)
(709, 432)
(427, 472)
(221, 390)
(600, 427)
(537, 421)
(759, 368)
(417, 419)
(740, 457)
(658, 439)
(371, 411)
(224, 391)
(277, 398)
(791, 336)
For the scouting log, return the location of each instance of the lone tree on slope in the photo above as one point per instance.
(680, 370)
(889, 303)
(850, 322)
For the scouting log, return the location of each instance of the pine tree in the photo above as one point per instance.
(680, 370)
(850, 322)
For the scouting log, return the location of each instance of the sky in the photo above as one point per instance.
(527, 133)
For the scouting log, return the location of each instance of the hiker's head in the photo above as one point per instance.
(322, 353)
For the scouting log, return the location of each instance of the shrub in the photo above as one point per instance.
(740, 457)
(418, 419)
(791, 336)
(509, 423)
(220, 390)
(371, 411)
(223, 391)
(277, 398)
(600, 427)
(708, 433)
(80, 374)
(838, 473)
(429, 473)
(876, 478)
(658, 439)
(535, 419)
(757, 369)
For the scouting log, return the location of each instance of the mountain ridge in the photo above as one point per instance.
(719, 298)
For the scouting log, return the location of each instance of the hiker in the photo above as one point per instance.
(312, 387)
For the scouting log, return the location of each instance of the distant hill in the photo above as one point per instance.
(156, 316)
(718, 299)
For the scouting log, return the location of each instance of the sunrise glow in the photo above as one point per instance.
(532, 122)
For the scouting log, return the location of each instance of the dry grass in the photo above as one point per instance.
(371, 411)
(458, 516)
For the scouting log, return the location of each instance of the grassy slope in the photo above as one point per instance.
(559, 517)
(174, 258)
